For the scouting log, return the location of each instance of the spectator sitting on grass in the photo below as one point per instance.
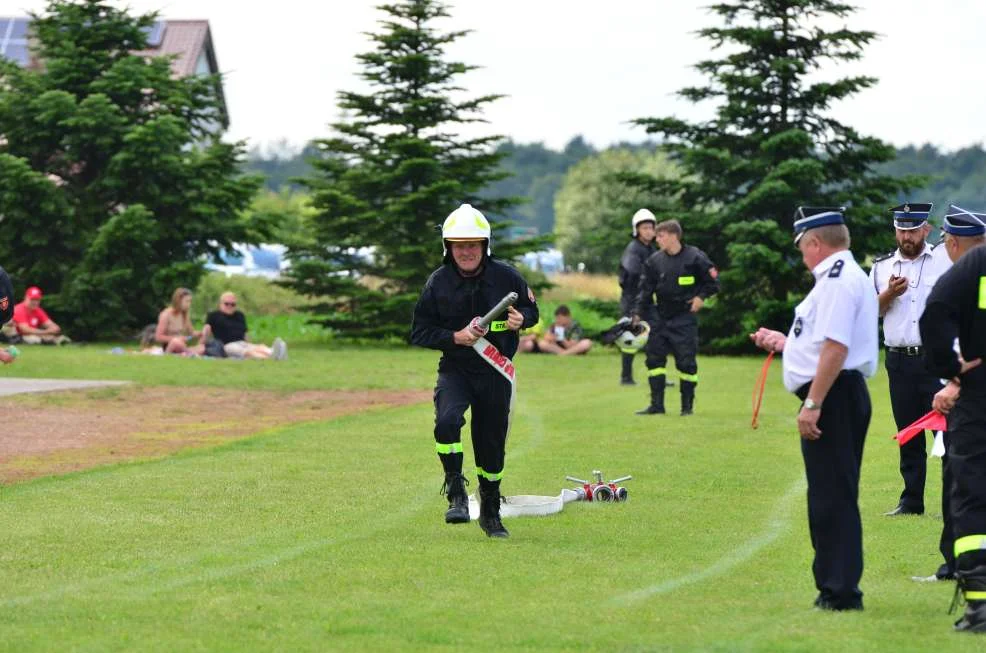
(33, 324)
(174, 326)
(229, 327)
(564, 336)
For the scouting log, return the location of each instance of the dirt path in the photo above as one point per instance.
(59, 432)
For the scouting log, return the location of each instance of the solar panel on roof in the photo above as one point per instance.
(20, 26)
(17, 52)
(155, 34)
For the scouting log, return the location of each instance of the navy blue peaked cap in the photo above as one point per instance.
(810, 217)
(911, 215)
(962, 222)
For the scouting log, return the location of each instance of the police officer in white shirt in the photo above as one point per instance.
(829, 352)
(903, 279)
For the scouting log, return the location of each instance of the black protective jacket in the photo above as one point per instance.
(450, 301)
(631, 265)
(6, 298)
(956, 308)
(675, 280)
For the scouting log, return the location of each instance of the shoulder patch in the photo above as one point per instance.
(836, 269)
(530, 295)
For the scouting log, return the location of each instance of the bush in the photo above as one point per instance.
(255, 296)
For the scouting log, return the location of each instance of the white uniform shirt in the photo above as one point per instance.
(900, 322)
(841, 307)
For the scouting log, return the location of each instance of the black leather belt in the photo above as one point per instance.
(907, 351)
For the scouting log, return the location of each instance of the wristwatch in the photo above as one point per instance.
(811, 405)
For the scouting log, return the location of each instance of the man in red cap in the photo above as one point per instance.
(33, 324)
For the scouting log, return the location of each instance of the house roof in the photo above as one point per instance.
(186, 40)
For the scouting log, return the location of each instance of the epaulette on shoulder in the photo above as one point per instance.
(936, 245)
(884, 257)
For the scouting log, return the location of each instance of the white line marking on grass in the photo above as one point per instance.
(777, 522)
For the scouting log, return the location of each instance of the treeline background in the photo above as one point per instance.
(537, 172)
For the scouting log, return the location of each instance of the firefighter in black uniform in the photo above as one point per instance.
(631, 265)
(682, 277)
(957, 308)
(468, 284)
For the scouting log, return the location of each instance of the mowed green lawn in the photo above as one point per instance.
(329, 536)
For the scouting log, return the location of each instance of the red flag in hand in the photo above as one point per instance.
(933, 421)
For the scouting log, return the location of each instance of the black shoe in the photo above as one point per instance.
(627, 382)
(651, 410)
(687, 411)
(489, 514)
(838, 606)
(458, 501)
(974, 619)
(901, 509)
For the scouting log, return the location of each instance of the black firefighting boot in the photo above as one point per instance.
(489, 511)
(971, 581)
(626, 378)
(687, 397)
(454, 489)
(656, 396)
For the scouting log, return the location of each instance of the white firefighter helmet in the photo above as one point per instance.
(466, 224)
(642, 215)
(633, 338)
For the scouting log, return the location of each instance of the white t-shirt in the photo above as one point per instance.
(900, 322)
(841, 307)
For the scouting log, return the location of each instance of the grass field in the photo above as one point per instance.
(329, 536)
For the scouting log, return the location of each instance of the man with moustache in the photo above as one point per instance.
(902, 280)
(469, 283)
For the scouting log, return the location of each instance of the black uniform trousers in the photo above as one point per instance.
(967, 463)
(946, 543)
(912, 390)
(488, 394)
(678, 336)
(832, 466)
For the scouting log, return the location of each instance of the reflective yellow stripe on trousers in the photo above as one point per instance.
(688, 377)
(970, 543)
(657, 371)
(489, 476)
(455, 447)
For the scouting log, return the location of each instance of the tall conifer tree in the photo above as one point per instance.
(772, 145)
(391, 173)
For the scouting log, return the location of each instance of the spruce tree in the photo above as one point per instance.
(114, 184)
(391, 173)
(772, 145)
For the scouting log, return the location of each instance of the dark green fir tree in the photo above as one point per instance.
(391, 173)
(772, 145)
(114, 184)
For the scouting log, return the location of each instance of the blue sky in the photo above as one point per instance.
(579, 66)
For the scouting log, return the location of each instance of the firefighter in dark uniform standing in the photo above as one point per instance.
(467, 285)
(681, 277)
(830, 350)
(631, 265)
(902, 280)
(957, 309)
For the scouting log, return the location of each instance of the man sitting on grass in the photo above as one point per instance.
(564, 336)
(33, 323)
(230, 328)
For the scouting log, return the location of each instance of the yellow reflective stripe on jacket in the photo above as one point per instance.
(628, 350)
(455, 447)
(982, 293)
(974, 596)
(686, 281)
(490, 476)
(969, 543)
(499, 325)
(657, 371)
(688, 377)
